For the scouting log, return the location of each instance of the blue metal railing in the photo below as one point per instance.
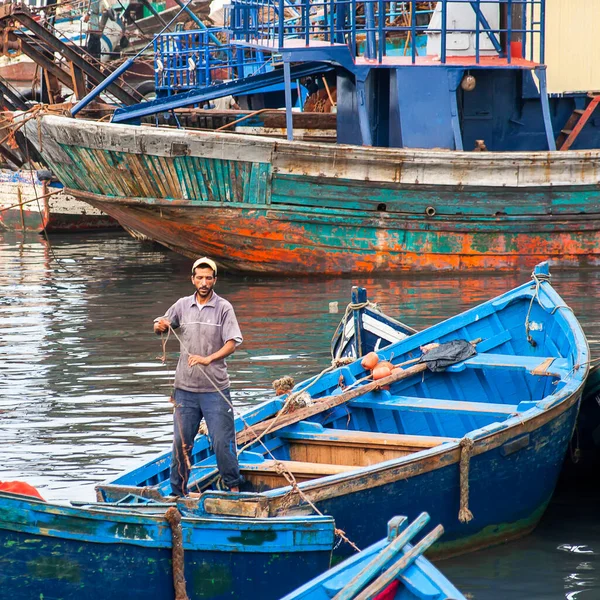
(186, 60)
(369, 26)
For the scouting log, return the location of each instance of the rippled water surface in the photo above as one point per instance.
(83, 392)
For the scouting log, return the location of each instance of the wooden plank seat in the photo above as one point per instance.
(265, 474)
(502, 411)
(296, 467)
(357, 448)
(362, 438)
(536, 365)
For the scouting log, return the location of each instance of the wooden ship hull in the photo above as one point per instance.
(381, 452)
(59, 552)
(274, 206)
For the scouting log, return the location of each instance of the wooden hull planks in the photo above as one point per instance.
(274, 206)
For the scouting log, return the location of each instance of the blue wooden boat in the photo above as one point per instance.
(485, 438)
(365, 328)
(392, 567)
(60, 552)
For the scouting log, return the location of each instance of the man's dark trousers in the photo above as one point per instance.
(190, 407)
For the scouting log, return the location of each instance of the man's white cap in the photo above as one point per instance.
(205, 261)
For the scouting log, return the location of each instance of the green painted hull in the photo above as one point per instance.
(291, 207)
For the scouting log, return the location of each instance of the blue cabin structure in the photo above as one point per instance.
(452, 74)
(416, 100)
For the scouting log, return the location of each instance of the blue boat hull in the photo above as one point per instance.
(507, 494)
(58, 553)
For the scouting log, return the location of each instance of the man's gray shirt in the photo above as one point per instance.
(205, 328)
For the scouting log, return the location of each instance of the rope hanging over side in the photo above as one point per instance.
(466, 448)
(290, 498)
(173, 517)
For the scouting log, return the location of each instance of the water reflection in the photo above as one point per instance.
(83, 393)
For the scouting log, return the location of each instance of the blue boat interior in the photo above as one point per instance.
(527, 359)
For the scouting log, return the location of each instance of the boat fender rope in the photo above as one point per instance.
(173, 517)
(466, 448)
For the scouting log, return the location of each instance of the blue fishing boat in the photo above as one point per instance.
(479, 445)
(365, 328)
(391, 569)
(146, 549)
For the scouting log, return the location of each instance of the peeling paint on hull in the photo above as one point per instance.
(292, 207)
(57, 552)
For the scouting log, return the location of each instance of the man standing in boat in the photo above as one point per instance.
(209, 334)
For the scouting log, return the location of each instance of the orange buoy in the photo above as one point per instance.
(370, 360)
(379, 372)
(19, 487)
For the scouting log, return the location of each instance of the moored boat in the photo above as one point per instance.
(399, 190)
(365, 328)
(273, 206)
(485, 438)
(59, 552)
(30, 204)
(391, 569)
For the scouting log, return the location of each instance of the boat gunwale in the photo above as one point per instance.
(303, 528)
(315, 150)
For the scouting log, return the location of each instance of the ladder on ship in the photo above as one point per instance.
(576, 123)
(75, 69)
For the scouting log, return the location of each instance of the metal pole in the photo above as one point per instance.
(288, 99)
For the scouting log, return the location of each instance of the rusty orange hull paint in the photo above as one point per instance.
(261, 243)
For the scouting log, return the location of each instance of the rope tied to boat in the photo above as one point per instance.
(349, 309)
(466, 448)
(173, 518)
(288, 499)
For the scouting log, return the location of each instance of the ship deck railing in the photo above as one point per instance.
(188, 60)
(366, 28)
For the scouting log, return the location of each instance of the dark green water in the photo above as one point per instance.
(83, 394)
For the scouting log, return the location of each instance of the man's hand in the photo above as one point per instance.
(196, 359)
(161, 326)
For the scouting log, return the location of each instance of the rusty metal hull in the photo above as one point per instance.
(270, 206)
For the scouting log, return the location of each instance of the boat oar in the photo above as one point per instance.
(357, 583)
(324, 404)
(401, 565)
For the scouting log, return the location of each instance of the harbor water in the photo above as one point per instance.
(84, 391)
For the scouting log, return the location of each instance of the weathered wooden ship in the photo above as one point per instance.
(400, 188)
